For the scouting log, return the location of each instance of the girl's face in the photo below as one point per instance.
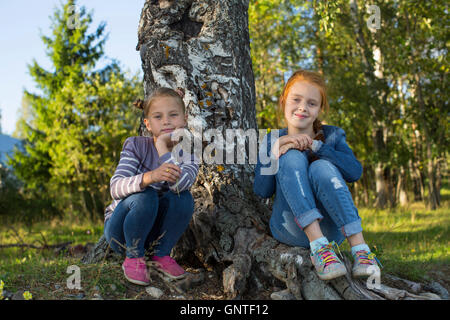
(302, 106)
(165, 115)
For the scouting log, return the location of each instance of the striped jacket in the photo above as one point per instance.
(138, 156)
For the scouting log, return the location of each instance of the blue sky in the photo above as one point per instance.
(23, 21)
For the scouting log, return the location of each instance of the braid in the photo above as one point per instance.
(317, 127)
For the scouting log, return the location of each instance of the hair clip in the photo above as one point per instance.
(180, 91)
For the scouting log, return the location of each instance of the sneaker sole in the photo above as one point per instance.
(142, 283)
(364, 273)
(332, 275)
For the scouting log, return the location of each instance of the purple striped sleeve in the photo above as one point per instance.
(127, 178)
(189, 170)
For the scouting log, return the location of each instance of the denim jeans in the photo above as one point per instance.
(307, 192)
(142, 217)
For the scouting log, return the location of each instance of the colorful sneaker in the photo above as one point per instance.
(169, 267)
(365, 264)
(327, 263)
(135, 270)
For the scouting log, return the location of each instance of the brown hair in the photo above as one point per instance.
(178, 94)
(316, 79)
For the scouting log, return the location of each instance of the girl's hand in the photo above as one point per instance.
(305, 141)
(165, 139)
(295, 141)
(285, 147)
(166, 172)
(164, 143)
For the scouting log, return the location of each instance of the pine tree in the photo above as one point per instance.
(80, 118)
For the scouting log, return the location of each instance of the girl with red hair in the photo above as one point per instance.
(313, 207)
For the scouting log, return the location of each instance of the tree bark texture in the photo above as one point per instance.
(204, 47)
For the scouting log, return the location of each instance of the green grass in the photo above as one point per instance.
(412, 243)
(44, 273)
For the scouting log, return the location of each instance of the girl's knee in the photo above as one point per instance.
(183, 201)
(184, 197)
(322, 169)
(145, 201)
(293, 158)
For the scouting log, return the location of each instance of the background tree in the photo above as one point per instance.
(279, 44)
(25, 116)
(377, 78)
(204, 47)
(78, 121)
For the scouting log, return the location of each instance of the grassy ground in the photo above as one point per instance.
(44, 272)
(412, 243)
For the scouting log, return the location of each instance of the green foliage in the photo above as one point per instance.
(275, 29)
(18, 205)
(79, 120)
(386, 86)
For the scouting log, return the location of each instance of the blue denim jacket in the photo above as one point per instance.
(335, 149)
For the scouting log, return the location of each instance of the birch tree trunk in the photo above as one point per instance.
(204, 47)
(373, 75)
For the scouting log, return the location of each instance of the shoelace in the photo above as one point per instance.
(326, 254)
(365, 258)
(336, 246)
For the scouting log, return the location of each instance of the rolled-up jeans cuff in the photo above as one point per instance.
(351, 228)
(308, 217)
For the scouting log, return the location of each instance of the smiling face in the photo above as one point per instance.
(302, 107)
(164, 116)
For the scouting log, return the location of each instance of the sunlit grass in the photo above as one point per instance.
(412, 243)
(43, 272)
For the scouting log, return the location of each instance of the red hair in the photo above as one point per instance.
(315, 79)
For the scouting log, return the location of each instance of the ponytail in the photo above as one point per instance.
(139, 104)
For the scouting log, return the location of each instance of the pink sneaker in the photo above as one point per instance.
(169, 267)
(135, 270)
